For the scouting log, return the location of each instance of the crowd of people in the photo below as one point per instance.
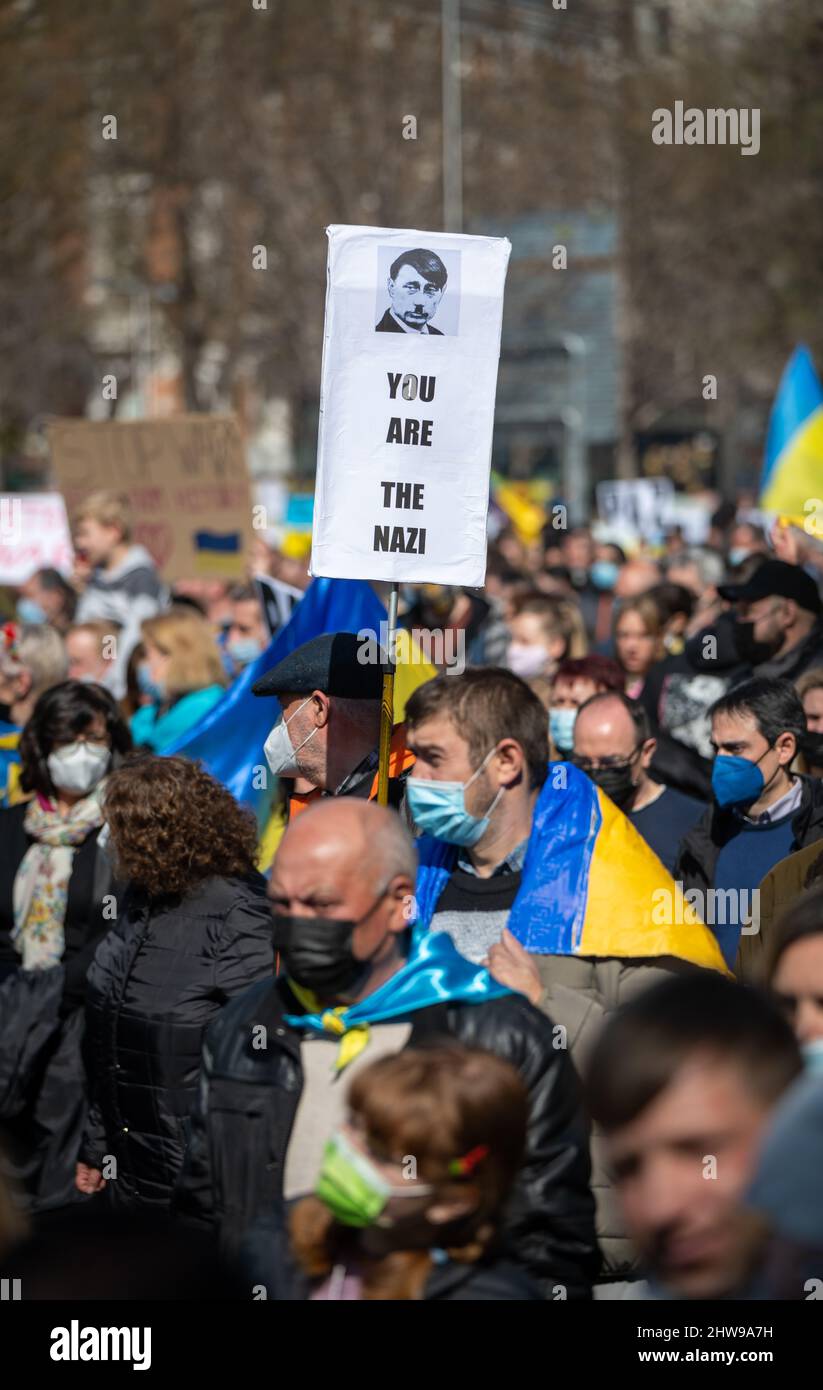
(370, 1072)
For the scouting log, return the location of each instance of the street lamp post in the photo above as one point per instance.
(452, 116)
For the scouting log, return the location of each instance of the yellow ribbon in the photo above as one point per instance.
(354, 1038)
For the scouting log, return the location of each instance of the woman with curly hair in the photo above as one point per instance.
(194, 929)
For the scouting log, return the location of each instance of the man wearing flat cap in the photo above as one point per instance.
(327, 735)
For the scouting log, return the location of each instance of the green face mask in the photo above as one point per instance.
(353, 1189)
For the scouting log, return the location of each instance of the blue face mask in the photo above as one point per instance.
(28, 611)
(244, 650)
(603, 574)
(813, 1056)
(561, 728)
(439, 809)
(736, 780)
(146, 686)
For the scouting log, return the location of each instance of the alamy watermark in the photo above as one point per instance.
(717, 907)
(714, 126)
(11, 520)
(440, 647)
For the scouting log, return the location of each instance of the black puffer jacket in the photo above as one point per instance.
(42, 1110)
(248, 1098)
(158, 979)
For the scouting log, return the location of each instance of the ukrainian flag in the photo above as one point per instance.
(229, 739)
(793, 468)
(591, 886)
(524, 505)
(218, 552)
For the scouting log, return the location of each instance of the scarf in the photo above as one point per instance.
(41, 883)
(435, 973)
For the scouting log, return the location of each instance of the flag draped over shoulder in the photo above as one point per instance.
(229, 739)
(793, 467)
(591, 886)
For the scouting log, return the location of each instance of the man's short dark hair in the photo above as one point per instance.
(243, 593)
(646, 1043)
(633, 708)
(774, 705)
(487, 704)
(426, 263)
(672, 599)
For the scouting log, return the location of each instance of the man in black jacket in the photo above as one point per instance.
(760, 813)
(779, 629)
(277, 1062)
(774, 629)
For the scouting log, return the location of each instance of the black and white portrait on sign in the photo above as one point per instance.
(418, 291)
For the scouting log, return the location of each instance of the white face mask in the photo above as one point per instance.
(79, 766)
(279, 751)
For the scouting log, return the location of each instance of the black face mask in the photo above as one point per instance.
(811, 746)
(317, 952)
(616, 782)
(5, 714)
(748, 649)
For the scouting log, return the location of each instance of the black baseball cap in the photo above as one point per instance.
(338, 663)
(776, 578)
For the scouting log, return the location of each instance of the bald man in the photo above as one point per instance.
(637, 577)
(613, 746)
(278, 1061)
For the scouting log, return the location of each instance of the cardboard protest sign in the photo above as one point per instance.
(411, 347)
(186, 479)
(34, 534)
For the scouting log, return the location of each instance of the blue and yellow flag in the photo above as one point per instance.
(229, 739)
(10, 792)
(793, 468)
(591, 886)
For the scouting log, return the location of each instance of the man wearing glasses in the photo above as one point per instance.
(613, 746)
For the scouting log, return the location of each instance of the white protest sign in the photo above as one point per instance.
(410, 354)
(692, 515)
(638, 505)
(34, 535)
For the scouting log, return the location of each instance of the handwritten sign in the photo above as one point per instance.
(186, 479)
(34, 534)
(411, 349)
